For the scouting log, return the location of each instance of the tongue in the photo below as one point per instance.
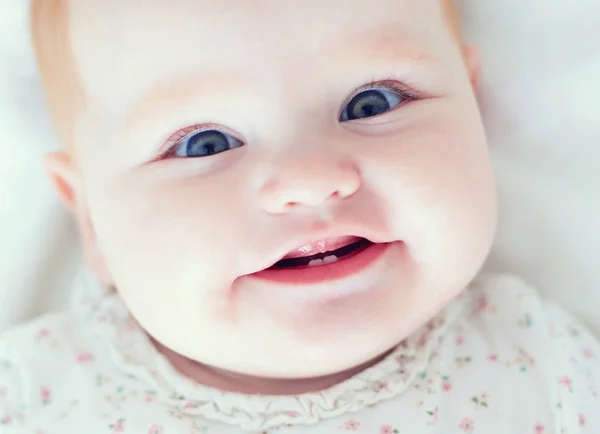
(322, 246)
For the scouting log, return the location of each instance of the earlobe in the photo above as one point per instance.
(473, 64)
(68, 185)
(63, 178)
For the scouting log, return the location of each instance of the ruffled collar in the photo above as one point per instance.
(135, 355)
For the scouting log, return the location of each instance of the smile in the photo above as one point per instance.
(322, 259)
(332, 265)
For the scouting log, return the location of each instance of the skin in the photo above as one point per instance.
(179, 237)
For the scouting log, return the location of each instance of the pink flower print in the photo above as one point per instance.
(422, 339)
(386, 429)
(119, 426)
(587, 353)
(2, 392)
(446, 386)
(352, 425)
(85, 358)
(150, 397)
(467, 425)
(460, 340)
(381, 386)
(539, 428)
(401, 359)
(581, 419)
(483, 305)
(46, 395)
(492, 357)
(566, 381)
(434, 416)
(292, 413)
(43, 333)
(6, 420)
(155, 429)
(190, 405)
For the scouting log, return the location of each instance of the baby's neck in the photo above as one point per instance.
(232, 382)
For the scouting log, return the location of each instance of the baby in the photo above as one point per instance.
(284, 208)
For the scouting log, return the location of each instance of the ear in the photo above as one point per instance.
(473, 64)
(68, 185)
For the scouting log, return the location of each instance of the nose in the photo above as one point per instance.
(308, 181)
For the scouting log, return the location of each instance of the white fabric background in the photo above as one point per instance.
(541, 100)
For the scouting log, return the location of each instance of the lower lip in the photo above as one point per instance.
(340, 269)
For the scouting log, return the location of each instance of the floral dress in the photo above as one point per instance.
(498, 359)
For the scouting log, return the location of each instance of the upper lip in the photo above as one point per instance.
(304, 239)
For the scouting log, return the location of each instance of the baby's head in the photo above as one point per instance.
(206, 140)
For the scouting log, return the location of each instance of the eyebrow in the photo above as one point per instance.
(180, 90)
(388, 45)
(388, 41)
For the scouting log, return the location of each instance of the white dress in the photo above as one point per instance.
(499, 359)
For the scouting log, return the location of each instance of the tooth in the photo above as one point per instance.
(315, 263)
(330, 259)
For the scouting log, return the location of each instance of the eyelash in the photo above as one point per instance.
(180, 136)
(386, 84)
(389, 83)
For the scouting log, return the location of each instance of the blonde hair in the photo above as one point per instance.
(58, 68)
(451, 12)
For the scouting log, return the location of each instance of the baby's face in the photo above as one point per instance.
(219, 136)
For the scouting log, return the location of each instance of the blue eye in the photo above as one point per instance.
(372, 102)
(205, 144)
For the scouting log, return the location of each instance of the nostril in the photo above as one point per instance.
(291, 205)
(294, 187)
(284, 207)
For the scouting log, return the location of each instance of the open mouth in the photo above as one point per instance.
(325, 258)
(328, 260)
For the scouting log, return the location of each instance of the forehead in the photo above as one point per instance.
(132, 45)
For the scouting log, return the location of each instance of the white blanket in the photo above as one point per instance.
(540, 95)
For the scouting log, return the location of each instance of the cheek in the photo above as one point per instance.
(437, 182)
(169, 234)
